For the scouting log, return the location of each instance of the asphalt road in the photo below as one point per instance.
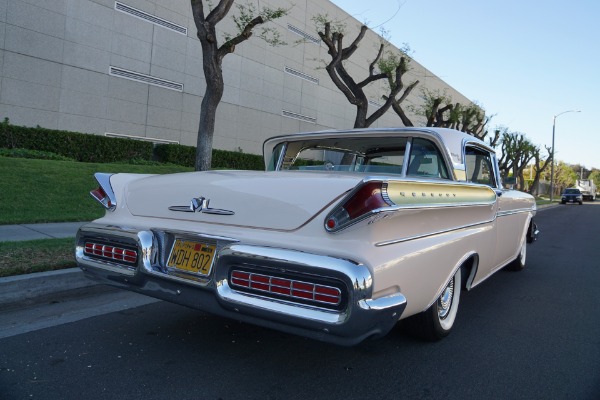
(533, 334)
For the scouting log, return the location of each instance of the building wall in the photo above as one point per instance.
(102, 67)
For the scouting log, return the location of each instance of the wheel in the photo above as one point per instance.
(436, 322)
(519, 263)
(563, 202)
(581, 203)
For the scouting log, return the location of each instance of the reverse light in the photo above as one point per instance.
(368, 198)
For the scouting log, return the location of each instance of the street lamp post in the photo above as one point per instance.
(552, 165)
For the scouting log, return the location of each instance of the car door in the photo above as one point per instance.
(481, 168)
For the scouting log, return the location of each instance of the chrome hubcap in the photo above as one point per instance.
(445, 300)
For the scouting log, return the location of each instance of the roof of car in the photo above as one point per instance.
(452, 139)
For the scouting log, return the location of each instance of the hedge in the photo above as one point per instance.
(102, 149)
(35, 154)
(186, 155)
(80, 147)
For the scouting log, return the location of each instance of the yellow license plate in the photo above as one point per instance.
(192, 256)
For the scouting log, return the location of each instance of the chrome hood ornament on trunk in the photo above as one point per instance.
(200, 204)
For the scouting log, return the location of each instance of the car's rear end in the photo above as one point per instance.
(258, 250)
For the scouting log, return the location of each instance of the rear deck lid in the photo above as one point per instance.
(265, 200)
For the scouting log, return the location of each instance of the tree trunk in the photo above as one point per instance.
(213, 73)
(208, 114)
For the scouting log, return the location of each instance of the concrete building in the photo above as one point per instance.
(134, 68)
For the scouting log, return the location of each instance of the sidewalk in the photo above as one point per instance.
(16, 233)
(22, 290)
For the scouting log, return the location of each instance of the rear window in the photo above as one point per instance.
(368, 154)
(365, 155)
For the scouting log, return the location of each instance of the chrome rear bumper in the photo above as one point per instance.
(357, 318)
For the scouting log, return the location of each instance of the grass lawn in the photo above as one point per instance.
(36, 256)
(34, 190)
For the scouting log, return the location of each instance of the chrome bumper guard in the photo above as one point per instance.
(359, 318)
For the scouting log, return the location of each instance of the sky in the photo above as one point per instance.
(523, 61)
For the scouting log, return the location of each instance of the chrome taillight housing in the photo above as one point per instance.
(110, 252)
(364, 201)
(296, 289)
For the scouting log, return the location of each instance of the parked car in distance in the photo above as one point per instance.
(571, 195)
(345, 233)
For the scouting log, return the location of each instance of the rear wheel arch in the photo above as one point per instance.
(437, 320)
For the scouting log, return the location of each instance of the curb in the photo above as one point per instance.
(25, 289)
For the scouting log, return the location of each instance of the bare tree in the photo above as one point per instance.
(440, 111)
(390, 68)
(539, 168)
(387, 65)
(247, 19)
(516, 152)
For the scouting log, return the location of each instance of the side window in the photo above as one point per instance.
(275, 157)
(479, 167)
(426, 160)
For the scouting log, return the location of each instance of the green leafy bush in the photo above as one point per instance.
(26, 153)
(237, 160)
(186, 155)
(80, 147)
(100, 149)
(176, 154)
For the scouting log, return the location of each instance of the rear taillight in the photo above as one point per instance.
(113, 253)
(100, 195)
(364, 201)
(104, 193)
(290, 289)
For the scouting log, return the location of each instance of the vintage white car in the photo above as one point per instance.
(343, 235)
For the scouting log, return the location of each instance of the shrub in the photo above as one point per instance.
(80, 147)
(186, 155)
(237, 160)
(176, 154)
(95, 148)
(26, 153)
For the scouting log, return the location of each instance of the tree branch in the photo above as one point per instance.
(229, 46)
(219, 12)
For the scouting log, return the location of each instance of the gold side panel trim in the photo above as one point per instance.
(438, 194)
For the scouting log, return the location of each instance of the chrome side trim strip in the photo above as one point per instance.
(381, 212)
(426, 235)
(516, 211)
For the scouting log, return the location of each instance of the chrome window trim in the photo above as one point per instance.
(490, 153)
